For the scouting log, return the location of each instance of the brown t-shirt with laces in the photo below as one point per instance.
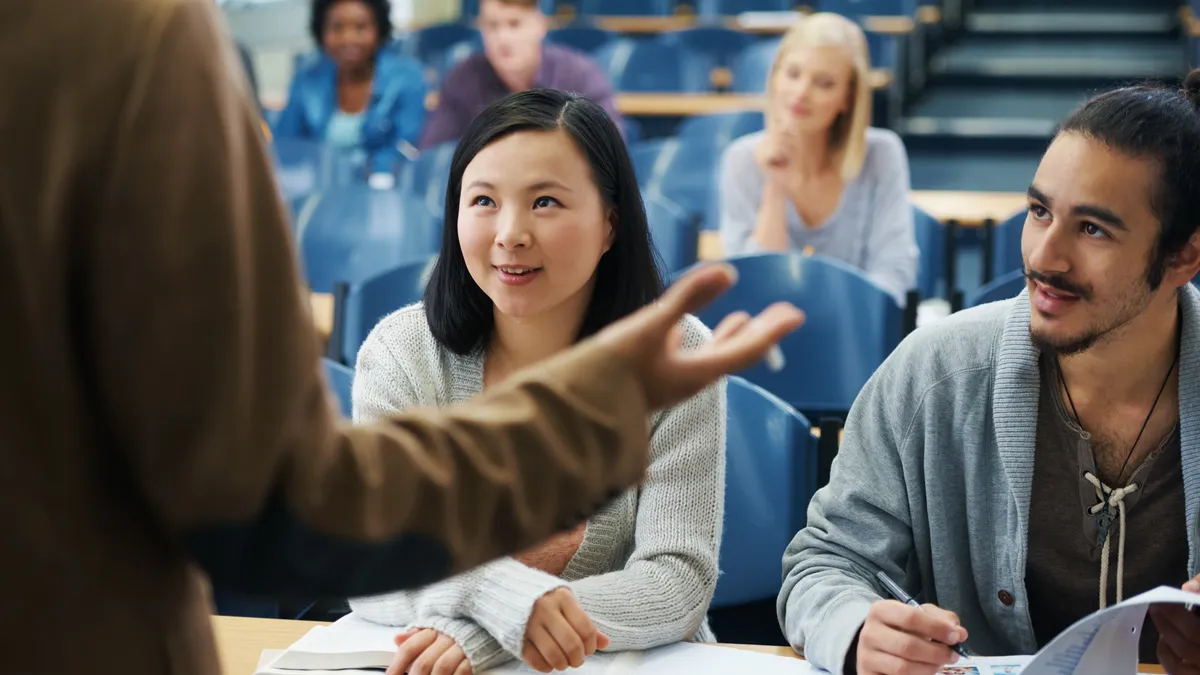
(1062, 575)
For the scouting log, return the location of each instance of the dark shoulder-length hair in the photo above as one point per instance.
(626, 278)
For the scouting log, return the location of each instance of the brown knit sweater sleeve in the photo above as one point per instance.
(205, 364)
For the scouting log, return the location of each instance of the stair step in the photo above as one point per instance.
(1071, 60)
(958, 169)
(1039, 22)
(978, 127)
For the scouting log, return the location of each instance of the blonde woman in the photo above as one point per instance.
(818, 175)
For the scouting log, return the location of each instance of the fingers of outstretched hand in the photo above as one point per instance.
(730, 325)
(411, 648)
(695, 290)
(745, 347)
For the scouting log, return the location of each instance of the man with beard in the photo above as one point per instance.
(1023, 464)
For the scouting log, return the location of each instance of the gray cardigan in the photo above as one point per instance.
(871, 228)
(932, 485)
(647, 566)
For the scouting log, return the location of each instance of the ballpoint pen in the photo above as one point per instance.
(898, 593)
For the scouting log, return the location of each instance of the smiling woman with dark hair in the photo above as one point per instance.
(546, 242)
(359, 96)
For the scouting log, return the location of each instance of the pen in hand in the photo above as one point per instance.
(898, 593)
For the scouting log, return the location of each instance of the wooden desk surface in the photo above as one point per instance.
(970, 209)
(322, 313)
(241, 641)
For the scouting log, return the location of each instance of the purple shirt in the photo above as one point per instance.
(473, 85)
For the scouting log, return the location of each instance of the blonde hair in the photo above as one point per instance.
(848, 135)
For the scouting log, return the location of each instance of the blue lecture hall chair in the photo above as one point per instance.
(682, 170)
(709, 47)
(931, 241)
(752, 67)
(1006, 245)
(833, 354)
(470, 8)
(718, 130)
(625, 7)
(711, 8)
(358, 307)
(340, 380)
(770, 476)
(429, 174)
(651, 66)
(581, 37)
(1003, 287)
(862, 8)
(352, 233)
(304, 166)
(676, 233)
(440, 47)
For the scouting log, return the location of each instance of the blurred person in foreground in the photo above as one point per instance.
(163, 415)
(515, 58)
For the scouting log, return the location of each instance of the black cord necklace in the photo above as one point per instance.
(1105, 516)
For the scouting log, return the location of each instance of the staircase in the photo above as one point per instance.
(996, 89)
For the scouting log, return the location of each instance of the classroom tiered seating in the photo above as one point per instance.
(1003, 287)
(340, 379)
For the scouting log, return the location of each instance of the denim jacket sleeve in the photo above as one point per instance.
(397, 111)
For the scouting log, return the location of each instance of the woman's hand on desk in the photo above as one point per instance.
(559, 633)
(428, 652)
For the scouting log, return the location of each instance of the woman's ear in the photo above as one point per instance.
(611, 235)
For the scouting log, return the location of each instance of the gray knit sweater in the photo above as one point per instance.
(647, 566)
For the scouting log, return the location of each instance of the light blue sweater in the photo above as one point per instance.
(871, 228)
(932, 485)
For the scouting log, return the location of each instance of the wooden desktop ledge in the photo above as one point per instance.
(240, 642)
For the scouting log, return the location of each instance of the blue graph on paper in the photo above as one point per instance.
(1066, 662)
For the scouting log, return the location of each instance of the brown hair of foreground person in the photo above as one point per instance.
(162, 413)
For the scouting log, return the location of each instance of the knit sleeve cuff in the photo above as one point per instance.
(480, 648)
(505, 599)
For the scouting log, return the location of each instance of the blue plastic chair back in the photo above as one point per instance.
(675, 232)
(719, 129)
(1006, 245)
(428, 176)
(711, 8)
(770, 476)
(304, 166)
(1003, 287)
(440, 47)
(852, 326)
(651, 66)
(752, 67)
(706, 48)
(857, 9)
(471, 7)
(340, 380)
(368, 301)
(353, 233)
(584, 38)
(684, 172)
(931, 242)
(626, 7)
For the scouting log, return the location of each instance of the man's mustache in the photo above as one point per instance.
(1060, 283)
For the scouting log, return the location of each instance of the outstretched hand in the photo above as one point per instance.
(652, 340)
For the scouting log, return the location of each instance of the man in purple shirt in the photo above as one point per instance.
(514, 58)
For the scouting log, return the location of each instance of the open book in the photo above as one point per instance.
(352, 646)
